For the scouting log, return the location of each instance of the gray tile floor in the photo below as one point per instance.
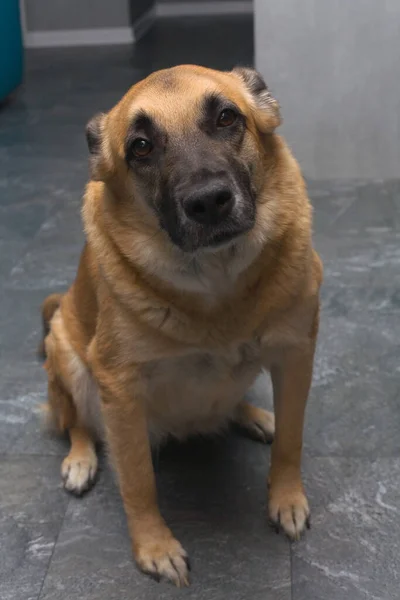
(58, 548)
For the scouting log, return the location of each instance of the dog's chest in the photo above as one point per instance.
(197, 393)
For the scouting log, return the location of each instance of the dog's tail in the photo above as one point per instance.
(59, 413)
(49, 307)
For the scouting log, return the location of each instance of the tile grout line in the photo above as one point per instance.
(342, 211)
(52, 552)
(291, 573)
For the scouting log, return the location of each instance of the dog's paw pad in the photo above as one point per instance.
(79, 473)
(164, 559)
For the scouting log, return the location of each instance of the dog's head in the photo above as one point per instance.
(186, 145)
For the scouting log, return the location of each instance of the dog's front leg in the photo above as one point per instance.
(156, 551)
(291, 378)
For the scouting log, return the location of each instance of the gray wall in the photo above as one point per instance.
(54, 15)
(335, 67)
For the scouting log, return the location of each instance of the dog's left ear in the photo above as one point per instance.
(265, 107)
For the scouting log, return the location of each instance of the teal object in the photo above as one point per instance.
(11, 49)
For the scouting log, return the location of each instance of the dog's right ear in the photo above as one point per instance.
(96, 142)
(265, 108)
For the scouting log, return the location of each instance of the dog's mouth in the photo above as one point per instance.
(223, 239)
(191, 237)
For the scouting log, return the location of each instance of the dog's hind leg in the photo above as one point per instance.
(257, 423)
(68, 391)
(79, 468)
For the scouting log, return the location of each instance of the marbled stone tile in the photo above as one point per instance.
(26, 177)
(58, 140)
(32, 508)
(10, 252)
(355, 206)
(23, 390)
(352, 551)
(330, 200)
(19, 223)
(361, 273)
(21, 323)
(353, 408)
(51, 262)
(376, 205)
(213, 495)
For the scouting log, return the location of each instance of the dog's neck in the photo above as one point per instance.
(211, 274)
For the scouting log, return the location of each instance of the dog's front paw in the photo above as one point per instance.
(289, 510)
(164, 558)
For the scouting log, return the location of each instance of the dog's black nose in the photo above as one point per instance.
(210, 204)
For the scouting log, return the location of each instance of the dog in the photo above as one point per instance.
(198, 272)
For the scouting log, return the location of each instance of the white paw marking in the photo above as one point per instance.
(79, 473)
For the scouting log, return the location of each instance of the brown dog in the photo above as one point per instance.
(197, 273)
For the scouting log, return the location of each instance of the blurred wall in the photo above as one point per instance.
(334, 65)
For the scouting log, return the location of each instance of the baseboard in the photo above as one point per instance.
(204, 8)
(79, 37)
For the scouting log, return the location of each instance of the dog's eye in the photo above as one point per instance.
(226, 118)
(141, 148)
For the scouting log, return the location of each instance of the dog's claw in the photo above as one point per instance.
(164, 559)
(188, 564)
(289, 512)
